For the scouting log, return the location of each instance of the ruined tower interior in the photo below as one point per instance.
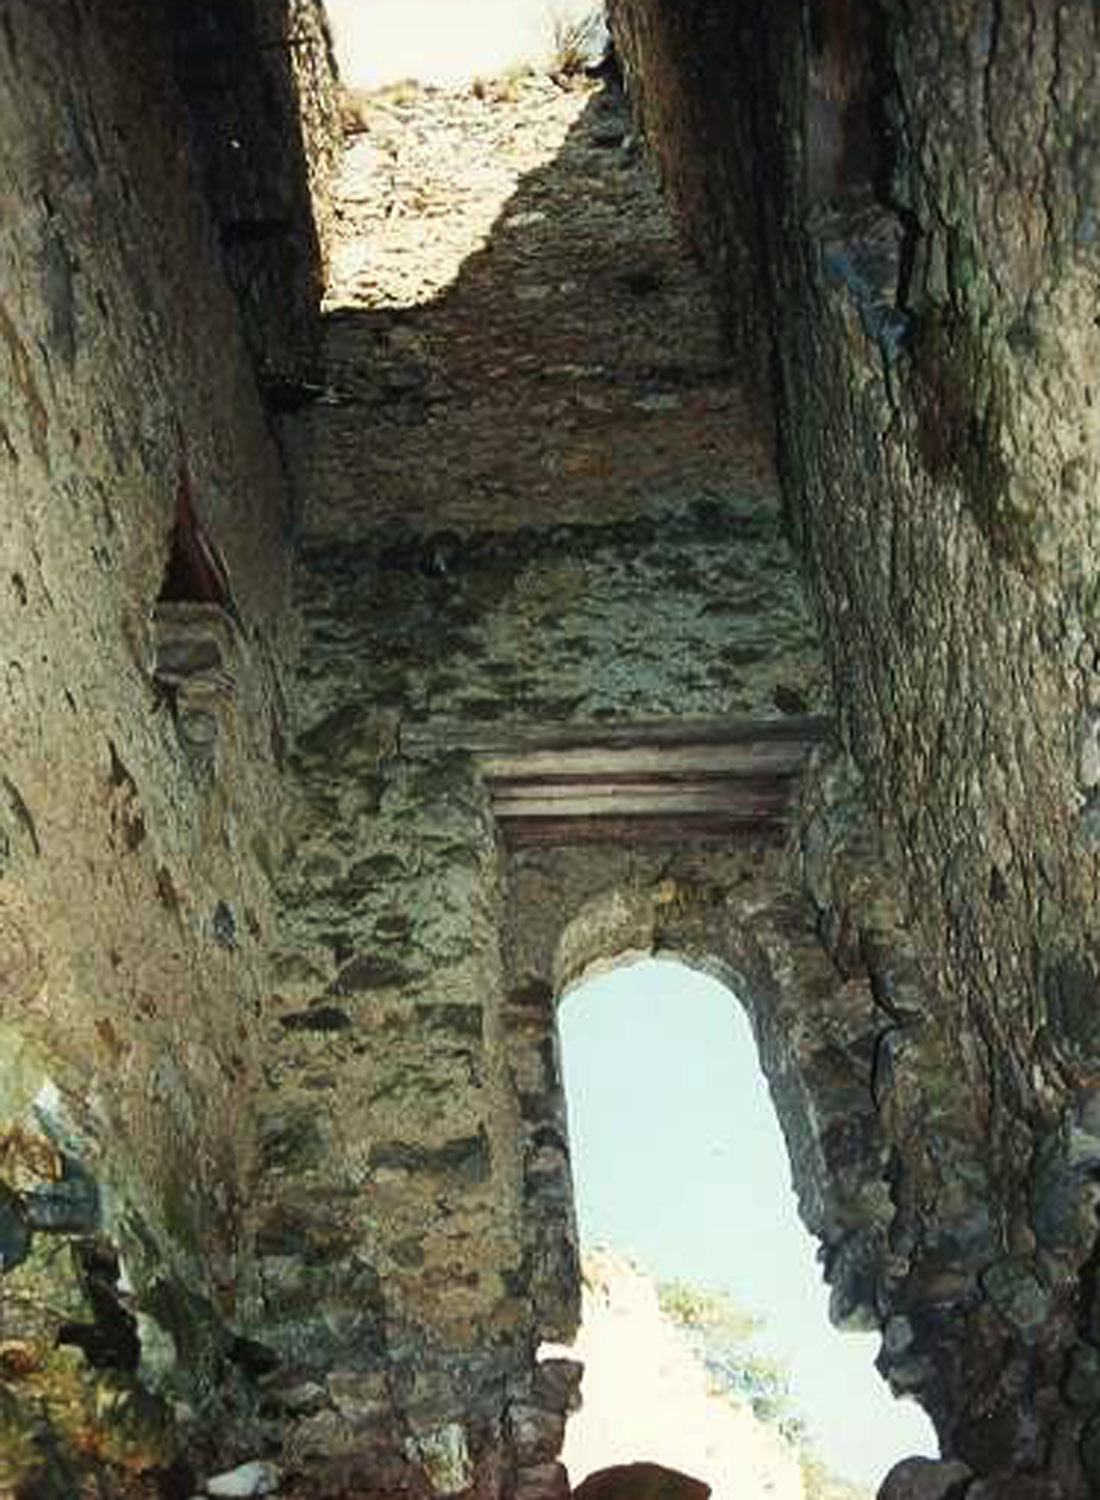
(366, 680)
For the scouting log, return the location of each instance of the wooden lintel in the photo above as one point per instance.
(653, 783)
(519, 833)
(745, 759)
(640, 802)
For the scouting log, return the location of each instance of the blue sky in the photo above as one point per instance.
(679, 1161)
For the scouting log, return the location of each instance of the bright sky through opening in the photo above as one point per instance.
(678, 1159)
(440, 41)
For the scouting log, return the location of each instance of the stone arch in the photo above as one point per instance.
(879, 1096)
(620, 925)
(730, 913)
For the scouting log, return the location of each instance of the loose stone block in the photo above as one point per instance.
(536, 1433)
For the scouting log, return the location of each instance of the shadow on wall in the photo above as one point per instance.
(577, 306)
(258, 82)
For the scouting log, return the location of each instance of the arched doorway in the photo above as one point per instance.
(678, 1161)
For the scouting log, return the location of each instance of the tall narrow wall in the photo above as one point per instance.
(920, 212)
(144, 656)
(407, 1261)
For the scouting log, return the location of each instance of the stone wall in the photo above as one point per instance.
(146, 647)
(282, 1140)
(417, 1238)
(258, 81)
(506, 529)
(921, 219)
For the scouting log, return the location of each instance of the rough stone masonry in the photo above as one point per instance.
(376, 661)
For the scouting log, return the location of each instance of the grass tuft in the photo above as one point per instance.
(502, 88)
(576, 40)
(358, 105)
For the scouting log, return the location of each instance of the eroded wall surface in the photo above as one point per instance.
(145, 646)
(523, 509)
(405, 1258)
(283, 1137)
(920, 216)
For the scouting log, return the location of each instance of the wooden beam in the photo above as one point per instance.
(727, 760)
(624, 802)
(613, 775)
(650, 781)
(655, 784)
(521, 833)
